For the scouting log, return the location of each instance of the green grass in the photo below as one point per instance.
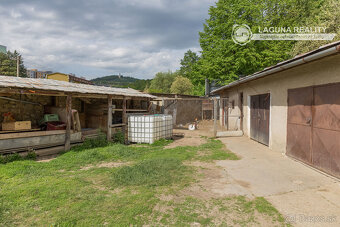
(215, 150)
(152, 172)
(64, 193)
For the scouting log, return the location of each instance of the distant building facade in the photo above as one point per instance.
(34, 73)
(68, 78)
(31, 73)
(3, 49)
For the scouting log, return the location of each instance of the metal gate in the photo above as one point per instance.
(313, 130)
(259, 118)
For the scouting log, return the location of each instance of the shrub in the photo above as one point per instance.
(16, 157)
(10, 158)
(119, 138)
(31, 156)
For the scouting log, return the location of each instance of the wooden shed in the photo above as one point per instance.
(85, 110)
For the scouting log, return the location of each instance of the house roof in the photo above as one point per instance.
(62, 86)
(323, 51)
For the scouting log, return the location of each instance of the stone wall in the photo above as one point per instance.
(186, 110)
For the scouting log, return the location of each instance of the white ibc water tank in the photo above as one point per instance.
(149, 128)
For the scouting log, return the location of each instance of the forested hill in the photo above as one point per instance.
(122, 81)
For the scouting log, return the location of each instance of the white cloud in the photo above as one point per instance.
(95, 38)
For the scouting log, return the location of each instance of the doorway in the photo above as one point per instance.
(259, 118)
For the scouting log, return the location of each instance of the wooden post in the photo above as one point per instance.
(68, 122)
(174, 112)
(124, 118)
(215, 117)
(202, 110)
(222, 111)
(18, 65)
(150, 106)
(109, 118)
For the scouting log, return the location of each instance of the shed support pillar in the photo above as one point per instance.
(222, 116)
(215, 117)
(68, 122)
(124, 119)
(109, 118)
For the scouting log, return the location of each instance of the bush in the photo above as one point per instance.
(10, 158)
(119, 138)
(31, 156)
(16, 157)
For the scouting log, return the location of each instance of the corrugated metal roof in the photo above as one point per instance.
(62, 86)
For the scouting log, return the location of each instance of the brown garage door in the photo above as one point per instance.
(259, 121)
(313, 130)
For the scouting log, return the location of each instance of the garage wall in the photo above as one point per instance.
(323, 71)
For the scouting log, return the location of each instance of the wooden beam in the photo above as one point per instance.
(117, 125)
(31, 92)
(150, 106)
(68, 122)
(28, 91)
(215, 117)
(124, 118)
(109, 118)
(130, 110)
(21, 134)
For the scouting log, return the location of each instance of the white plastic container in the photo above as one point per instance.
(149, 128)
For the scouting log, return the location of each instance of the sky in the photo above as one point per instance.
(94, 38)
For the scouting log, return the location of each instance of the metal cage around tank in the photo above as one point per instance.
(149, 128)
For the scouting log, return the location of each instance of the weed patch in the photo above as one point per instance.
(215, 150)
(153, 172)
(16, 157)
(100, 141)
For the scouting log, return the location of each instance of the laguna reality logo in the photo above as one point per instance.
(241, 34)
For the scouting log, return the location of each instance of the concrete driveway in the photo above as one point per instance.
(303, 195)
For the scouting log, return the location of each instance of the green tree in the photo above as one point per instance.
(328, 17)
(189, 64)
(8, 64)
(223, 60)
(182, 86)
(162, 82)
(190, 68)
